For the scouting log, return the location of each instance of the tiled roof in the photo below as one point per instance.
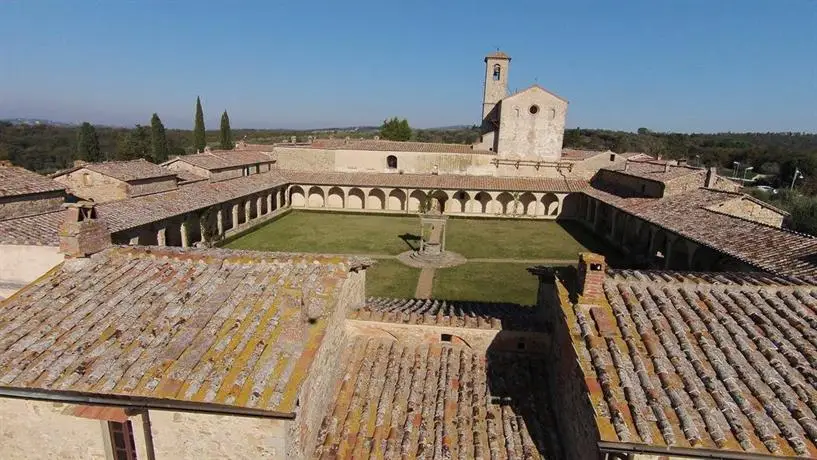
(477, 315)
(433, 181)
(186, 177)
(765, 247)
(578, 155)
(35, 230)
(225, 159)
(124, 214)
(129, 170)
(498, 55)
(656, 170)
(395, 146)
(401, 400)
(19, 181)
(211, 326)
(694, 363)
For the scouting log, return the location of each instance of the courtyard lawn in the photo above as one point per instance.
(332, 233)
(518, 239)
(486, 282)
(390, 278)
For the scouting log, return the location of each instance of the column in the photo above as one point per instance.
(220, 220)
(259, 206)
(560, 202)
(247, 210)
(269, 203)
(185, 235)
(596, 214)
(203, 229)
(235, 216)
(161, 237)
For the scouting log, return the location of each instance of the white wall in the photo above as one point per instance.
(20, 265)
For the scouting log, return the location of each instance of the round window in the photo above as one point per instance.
(534, 109)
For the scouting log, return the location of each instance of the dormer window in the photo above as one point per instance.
(497, 72)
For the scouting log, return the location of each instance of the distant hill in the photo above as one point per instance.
(35, 121)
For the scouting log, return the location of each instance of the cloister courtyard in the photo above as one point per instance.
(498, 251)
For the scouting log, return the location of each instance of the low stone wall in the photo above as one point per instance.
(19, 206)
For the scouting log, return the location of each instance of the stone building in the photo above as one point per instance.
(25, 193)
(116, 180)
(221, 165)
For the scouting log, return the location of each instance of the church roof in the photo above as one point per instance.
(536, 86)
(191, 326)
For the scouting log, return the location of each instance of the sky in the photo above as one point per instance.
(667, 65)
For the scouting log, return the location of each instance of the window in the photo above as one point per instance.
(612, 157)
(445, 337)
(534, 109)
(122, 443)
(86, 179)
(497, 72)
(391, 162)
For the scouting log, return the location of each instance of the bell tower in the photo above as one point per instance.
(496, 80)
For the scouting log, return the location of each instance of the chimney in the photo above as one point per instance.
(626, 164)
(82, 233)
(666, 166)
(591, 275)
(711, 177)
(681, 162)
(79, 163)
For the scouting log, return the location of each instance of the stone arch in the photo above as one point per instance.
(459, 201)
(415, 200)
(482, 200)
(527, 204)
(438, 201)
(334, 198)
(356, 199)
(396, 200)
(297, 198)
(316, 198)
(550, 204)
(376, 200)
(505, 201)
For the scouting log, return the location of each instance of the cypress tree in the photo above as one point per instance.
(226, 134)
(199, 136)
(88, 144)
(158, 140)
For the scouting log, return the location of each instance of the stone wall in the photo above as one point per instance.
(750, 210)
(318, 390)
(92, 185)
(20, 265)
(178, 435)
(154, 185)
(531, 125)
(685, 183)
(587, 168)
(305, 159)
(37, 429)
(634, 184)
(187, 167)
(27, 205)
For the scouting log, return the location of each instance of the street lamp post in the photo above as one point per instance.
(797, 175)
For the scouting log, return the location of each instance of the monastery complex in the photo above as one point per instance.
(126, 332)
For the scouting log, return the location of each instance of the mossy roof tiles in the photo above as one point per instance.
(208, 326)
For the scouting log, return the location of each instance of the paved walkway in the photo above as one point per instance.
(424, 284)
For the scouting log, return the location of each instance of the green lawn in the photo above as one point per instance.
(487, 282)
(517, 239)
(390, 278)
(333, 233)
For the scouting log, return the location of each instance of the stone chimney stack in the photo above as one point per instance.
(626, 165)
(591, 275)
(82, 233)
(711, 177)
(666, 166)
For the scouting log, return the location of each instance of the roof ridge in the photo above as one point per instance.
(783, 229)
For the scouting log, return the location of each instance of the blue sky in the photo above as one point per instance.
(669, 65)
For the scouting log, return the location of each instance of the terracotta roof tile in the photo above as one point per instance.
(432, 181)
(476, 315)
(211, 326)
(765, 247)
(15, 181)
(404, 400)
(656, 170)
(225, 159)
(35, 230)
(129, 170)
(717, 361)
